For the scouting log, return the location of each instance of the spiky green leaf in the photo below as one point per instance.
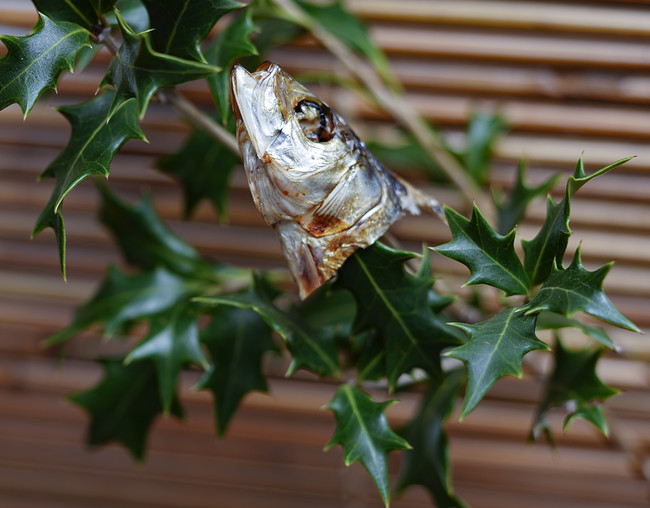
(237, 339)
(550, 243)
(575, 289)
(92, 146)
(123, 405)
(137, 71)
(552, 321)
(574, 385)
(231, 44)
(85, 13)
(397, 306)
(180, 26)
(203, 168)
(33, 63)
(513, 208)
(490, 257)
(363, 431)
(495, 349)
(311, 348)
(123, 299)
(171, 343)
(427, 462)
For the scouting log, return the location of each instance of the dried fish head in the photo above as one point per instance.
(311, 177)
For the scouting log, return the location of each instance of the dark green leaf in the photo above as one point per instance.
(123, 298)
(574, 385)
(396, 305)
(363, 431)
(490, 257)
(550, 243)
(85, 13)
(146, 242)
(33, 63)
(311, 348)
(203, 168)
(133, 12)
(237, 339)
(483, 130)
(172, 342)
(231, 44)
(123, 405)
(511, 210)
(93, 144)
(139, 71)
(427, 462)
(552, 321)
(575, 289)
(179, 26)
(495, 349)
(351, 31)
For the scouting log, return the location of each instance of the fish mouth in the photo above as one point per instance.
(257, 100)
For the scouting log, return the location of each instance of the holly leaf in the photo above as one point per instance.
(123, 405)
(122, 299)
(92, 146)
(33, 63)
(363, 431)
(427, 462)
(552, 321)
(550, 243)
(490, 257)
(171, 343)
(237, 339)
(483, 130)
(203, 168)
(180, 26)
(231, 44)
(396, 305)
(85, 13)
(146, 242)
(512, 209)
(575, 289)
(495, 349)
(311, 348)
(574, 385)
(137, 71)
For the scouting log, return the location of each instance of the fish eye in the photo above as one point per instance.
(316, 120)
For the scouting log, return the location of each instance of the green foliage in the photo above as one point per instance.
(237, 339)
(33, 63)
(397, 306)
(123, 405)
(138, 71)
(363, 431)
(380, 319)
(93, 143)
(312, 349)
(490, 257)
(575, 385)
(427, 462)
(550, 243)
(180, 26)
(230, 45)
(495, 349)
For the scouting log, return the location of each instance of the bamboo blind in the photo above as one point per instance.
(569, 77)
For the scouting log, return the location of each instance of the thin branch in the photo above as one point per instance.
(199, 118)
(395, 104)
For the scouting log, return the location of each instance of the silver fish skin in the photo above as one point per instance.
(311, 177)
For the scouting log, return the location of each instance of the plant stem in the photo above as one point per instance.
(395, 104)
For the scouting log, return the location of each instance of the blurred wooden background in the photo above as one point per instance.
(569, 77)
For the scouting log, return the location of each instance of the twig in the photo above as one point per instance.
(395, 104)
(199, 118)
